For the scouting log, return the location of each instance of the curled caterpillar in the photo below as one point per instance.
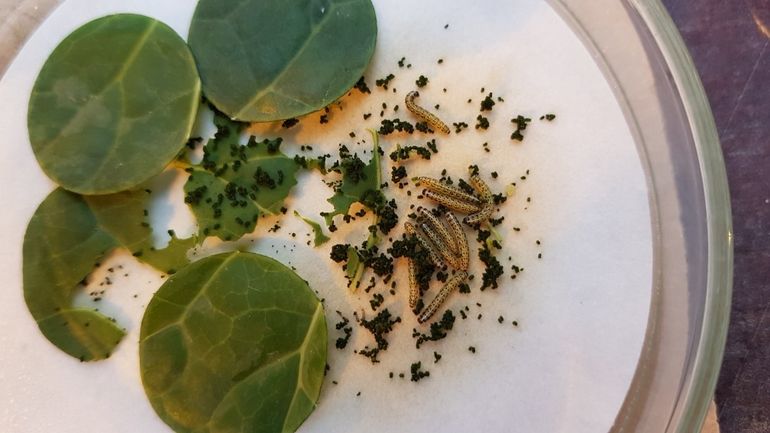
(481, 187)
(463, 252)
(483, 190)
(433, 121)
(442, 295)
(480, 216)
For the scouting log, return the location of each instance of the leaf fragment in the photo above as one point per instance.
(66, 236)
(320, 238)
(361, 183)
(236, 184)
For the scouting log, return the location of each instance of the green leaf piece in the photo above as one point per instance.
(62, 243)
(235, 184)
(172, 257)
(354, 267)
(265, 60)
(235, 342)
(66, 236)
(124, 216)
(359, 183)
(320, 237)
(114, 104)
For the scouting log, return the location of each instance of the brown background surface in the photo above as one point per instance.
(728, 40)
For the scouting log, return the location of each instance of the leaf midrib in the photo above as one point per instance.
(120, 130)
(300, 350)
(203, 288)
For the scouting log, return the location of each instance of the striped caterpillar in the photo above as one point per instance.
(426, 244)
(436, 186)
(478, 210)
(414, 287)
(443, 249)
(460, 239)
(452, 203)
(486, 196)
(481, 187)
(438, 301)
(445, 242)
(433, 121)
(440, 229)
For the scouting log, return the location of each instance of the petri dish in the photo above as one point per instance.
(645, 58)
(637, 48)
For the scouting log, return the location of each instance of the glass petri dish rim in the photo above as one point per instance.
(696, 397)
(671, 390)
(705, 353)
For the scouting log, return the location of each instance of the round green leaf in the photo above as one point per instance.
(113, 104)
(233, 342)
(265, 60)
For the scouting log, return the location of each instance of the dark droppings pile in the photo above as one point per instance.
(380, 257)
